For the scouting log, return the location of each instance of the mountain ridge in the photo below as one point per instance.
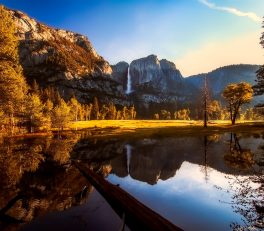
(68, 62)
(64, 60)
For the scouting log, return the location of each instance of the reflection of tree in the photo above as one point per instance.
(61, 147)
(15, 159)
(238, 157)
(248, 200)
(207, 141)
(248, 191)
(39, 193)
(30, 186)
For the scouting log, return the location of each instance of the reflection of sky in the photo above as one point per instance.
(187, 199)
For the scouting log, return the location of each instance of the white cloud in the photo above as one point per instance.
(232, 10)
(244, 49)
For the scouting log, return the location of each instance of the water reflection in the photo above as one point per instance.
(36, 177)
(237, 156)
(165, 163)
(216, 181)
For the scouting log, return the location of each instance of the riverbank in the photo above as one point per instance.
(104, 128)
(162, 127)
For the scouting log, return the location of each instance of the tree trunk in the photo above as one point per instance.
(12, 123)
(205, 119)
(234, 120)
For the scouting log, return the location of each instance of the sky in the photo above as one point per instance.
(197, 35)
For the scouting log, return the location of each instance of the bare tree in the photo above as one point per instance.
(205, 101)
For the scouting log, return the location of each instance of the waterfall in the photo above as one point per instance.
(128, 154)
(129, 87)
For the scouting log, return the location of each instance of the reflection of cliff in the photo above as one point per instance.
(119, 165)
(97, 150)
(154, 159)
(149, 162)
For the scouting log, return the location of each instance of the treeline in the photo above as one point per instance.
(43, 109)
(215, 112)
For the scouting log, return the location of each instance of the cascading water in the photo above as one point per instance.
(129, 84)
(128, 149)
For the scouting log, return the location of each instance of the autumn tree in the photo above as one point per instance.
(165, 115)
(124, 113)
(156, 116)
(87, 111)
(215, 110)
(112, 111)
(48, 107)
(132, 112)
(96, 109)
(259, 87)
(236, 95)
(35, 88)
(249, 114)
(103, 112)
(183, 114)
(61, 115)
(75, 107)
(34, 113)
(12, 83)
(118, 115)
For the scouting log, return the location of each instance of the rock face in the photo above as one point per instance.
(155, 84)
(120, 71)
(65, 60)
(161, 75)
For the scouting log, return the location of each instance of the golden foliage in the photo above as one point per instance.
(12, 83)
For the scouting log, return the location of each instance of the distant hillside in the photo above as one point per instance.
(221, 77)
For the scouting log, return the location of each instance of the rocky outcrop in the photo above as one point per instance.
(120, 71)
(65, 60)
(156, 84)
(160, 75)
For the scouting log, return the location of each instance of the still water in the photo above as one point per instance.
(212, 182)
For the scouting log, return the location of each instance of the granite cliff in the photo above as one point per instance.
(65, 60)
(156, 84)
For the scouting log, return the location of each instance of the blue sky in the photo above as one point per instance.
(198, 35)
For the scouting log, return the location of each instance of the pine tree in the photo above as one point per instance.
(12, 83)
(35, 88)
(48, 107)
